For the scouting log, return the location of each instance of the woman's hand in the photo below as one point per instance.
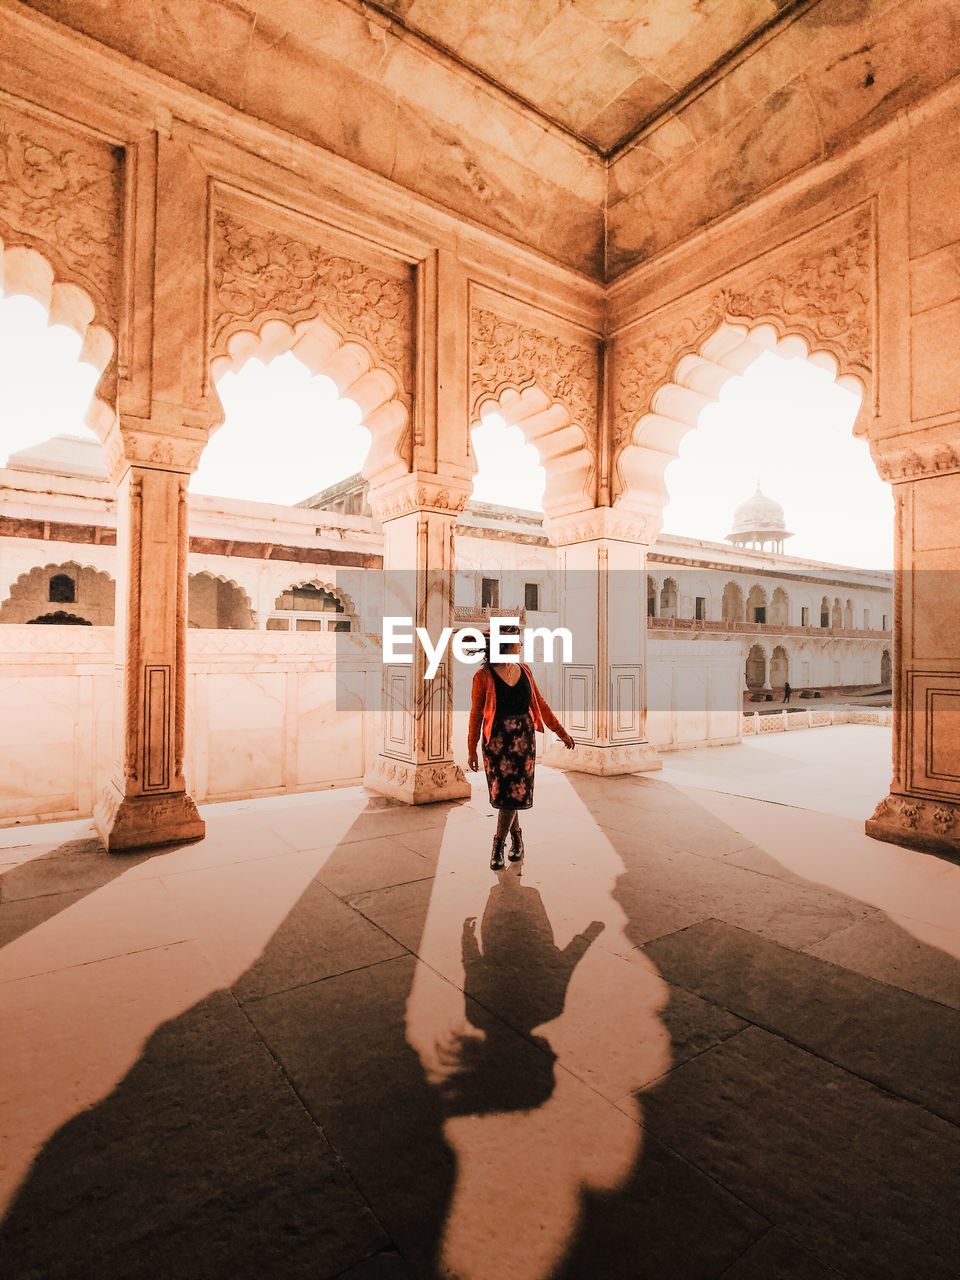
(473, 763)
(567, 741)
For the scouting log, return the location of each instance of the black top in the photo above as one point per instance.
(512, 699)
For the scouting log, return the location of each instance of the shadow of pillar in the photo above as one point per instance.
(212, 1159)
(821, 1105)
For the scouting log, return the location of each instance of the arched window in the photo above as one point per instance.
(886, 667)
(780, 607)
(63, 589)
(757, 604)
(651, 598)
(824, 612)
(756, 673)
(668, 599)
(732, 603)
(779, 667)
(836, 617)
(308, 607)
(848, 614)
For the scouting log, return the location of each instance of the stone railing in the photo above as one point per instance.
(755, 722)
(764, 628)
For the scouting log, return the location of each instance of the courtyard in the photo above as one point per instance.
(708, 1027)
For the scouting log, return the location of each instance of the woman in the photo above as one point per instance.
(509, 707)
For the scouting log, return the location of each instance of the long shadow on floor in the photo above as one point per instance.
(204, 1162)
(39, 889)
(826, 1101)
(284, 1130)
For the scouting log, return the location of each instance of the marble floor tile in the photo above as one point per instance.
(900, 1041)
(824, 1155)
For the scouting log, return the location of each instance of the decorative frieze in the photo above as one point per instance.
(600, 522)
(507, 354)
(61, 194)
(260, 274)
(409, 494)
(899, 464)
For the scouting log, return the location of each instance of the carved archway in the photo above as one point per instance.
(546, 385)
(813, 298)
(649, 440)
(353, 322)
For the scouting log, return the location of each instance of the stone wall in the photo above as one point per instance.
(268, 713)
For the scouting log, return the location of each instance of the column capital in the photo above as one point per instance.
(917, 455)
(610, 523)
(142, 443)
(420, 491)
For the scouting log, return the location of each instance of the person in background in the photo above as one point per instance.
(786, 690)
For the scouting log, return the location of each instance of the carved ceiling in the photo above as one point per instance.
(600, 69)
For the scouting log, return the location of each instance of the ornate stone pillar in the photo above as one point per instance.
(146, 801)
(601, 694)
(922, 810)
(414, 761)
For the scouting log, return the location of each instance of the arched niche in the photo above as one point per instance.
(218, 603)
(93, 601)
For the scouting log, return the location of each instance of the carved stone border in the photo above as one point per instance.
(261, 274)
(505, 353)
(61, 193)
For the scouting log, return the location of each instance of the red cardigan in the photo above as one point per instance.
(484, 705)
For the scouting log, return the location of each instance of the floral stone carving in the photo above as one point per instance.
(60, 192)
(505, 353)
(262, 274)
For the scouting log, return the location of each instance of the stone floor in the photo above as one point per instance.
(697, 1035)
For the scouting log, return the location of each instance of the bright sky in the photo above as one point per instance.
(287, 435)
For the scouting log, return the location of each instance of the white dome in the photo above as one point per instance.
(759, 513)
(759, 520)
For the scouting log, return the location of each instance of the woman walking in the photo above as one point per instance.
(509, 708)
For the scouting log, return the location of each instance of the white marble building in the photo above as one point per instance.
(276, 692)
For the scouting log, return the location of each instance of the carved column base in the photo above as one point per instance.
(608, 761)
(417, 784)
(929, 825)
(140, 822)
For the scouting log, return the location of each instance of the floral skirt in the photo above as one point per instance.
(509, 757)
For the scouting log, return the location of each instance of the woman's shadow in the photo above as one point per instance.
(515, 980)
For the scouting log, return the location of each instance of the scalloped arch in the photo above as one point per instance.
(562, 445)
(229, 582)
(348, 363)
(698, 371)
(26, 272)
(35, 575)
(350, 608)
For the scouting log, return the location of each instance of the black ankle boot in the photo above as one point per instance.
(496, 858)
(516, 844)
